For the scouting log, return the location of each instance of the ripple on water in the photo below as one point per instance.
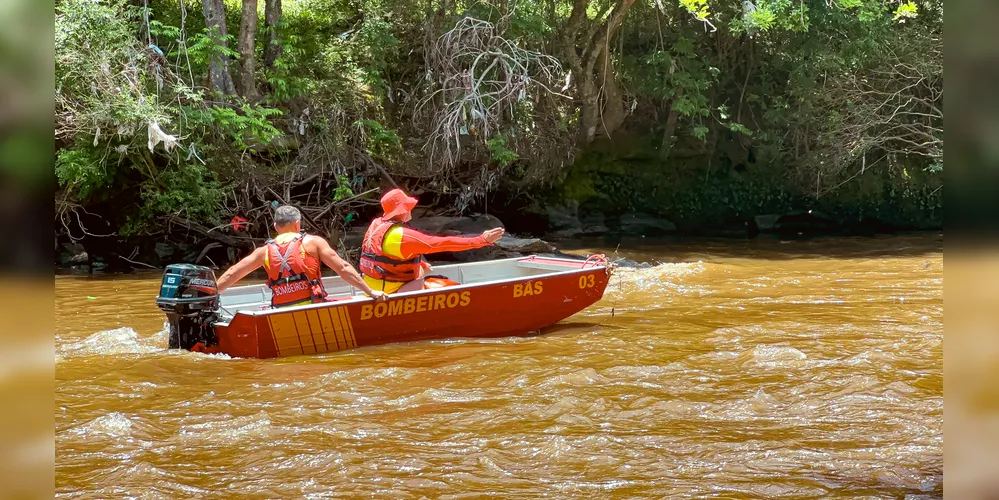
(778, 356)
(434, 396)
(576, 378)
(227, 430)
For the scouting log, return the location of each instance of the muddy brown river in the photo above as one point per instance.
(733, 369)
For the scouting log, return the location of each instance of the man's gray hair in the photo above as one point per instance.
(286, 215)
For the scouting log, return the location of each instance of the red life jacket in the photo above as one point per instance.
(376, 264)
(294, 276)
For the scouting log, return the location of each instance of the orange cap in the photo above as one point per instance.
(396, 203)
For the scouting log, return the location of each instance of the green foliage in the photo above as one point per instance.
(343, 190)
(102, 87)
(165, 31)
(378, 48)
(499, 151)
(701, 198)
(380, 142)
(905, 10)
(762, 17)
(680, 76)
(84, 169)
(699, 8)
(204, 47)
(282, 79)
(740, 128)
(188, 189)
(247, 127)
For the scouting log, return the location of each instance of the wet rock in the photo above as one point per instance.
(164, 250)
(867, 226)
(632, 264)
(79, 269)
(798, 222)
(73, 254)
(639, 224)
(565, 234)
(733, 228)
(561, 217)
(766, 223)
(563, 221)
(595, 230)
(190, 253)
(524, 245)
(593, 224)
(433, 225)
(625, 263)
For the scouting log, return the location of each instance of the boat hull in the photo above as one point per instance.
(513, 307)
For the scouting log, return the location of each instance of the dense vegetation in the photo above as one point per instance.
(176, 116)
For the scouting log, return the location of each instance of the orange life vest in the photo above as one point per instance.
(294, 276)
(376, 264)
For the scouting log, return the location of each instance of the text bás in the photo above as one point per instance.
(528, 289)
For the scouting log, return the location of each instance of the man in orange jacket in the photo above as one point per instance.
(392, 253)
(293, 261)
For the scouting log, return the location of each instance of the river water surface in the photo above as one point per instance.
(797, 369)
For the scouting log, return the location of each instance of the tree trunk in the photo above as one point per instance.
(504, 12)
(272, 16)
(586, 45)
(589, 113)
(247, 35)
(670, 130)
(612, 108)
(218, 67)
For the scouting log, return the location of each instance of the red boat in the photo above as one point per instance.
(500, 298)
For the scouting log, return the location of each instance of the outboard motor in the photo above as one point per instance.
(189, 296)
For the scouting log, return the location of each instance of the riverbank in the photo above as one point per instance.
(887, 204)
(509, 246)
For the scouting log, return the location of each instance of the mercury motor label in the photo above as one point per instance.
(203, 282)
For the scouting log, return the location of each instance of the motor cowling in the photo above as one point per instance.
(189, 296)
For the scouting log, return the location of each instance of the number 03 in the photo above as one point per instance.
(586, 281)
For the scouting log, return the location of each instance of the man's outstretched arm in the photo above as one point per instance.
(415, 243)
(344, 269)
(239, 270)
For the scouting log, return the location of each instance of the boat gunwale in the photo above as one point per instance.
(464, 286)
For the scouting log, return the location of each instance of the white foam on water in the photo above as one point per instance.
(122, 340)
(764, 352)
(114, 424)
(126, 340)
(228, 430)
(762, 402)
(205, 355)
(625, 280)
